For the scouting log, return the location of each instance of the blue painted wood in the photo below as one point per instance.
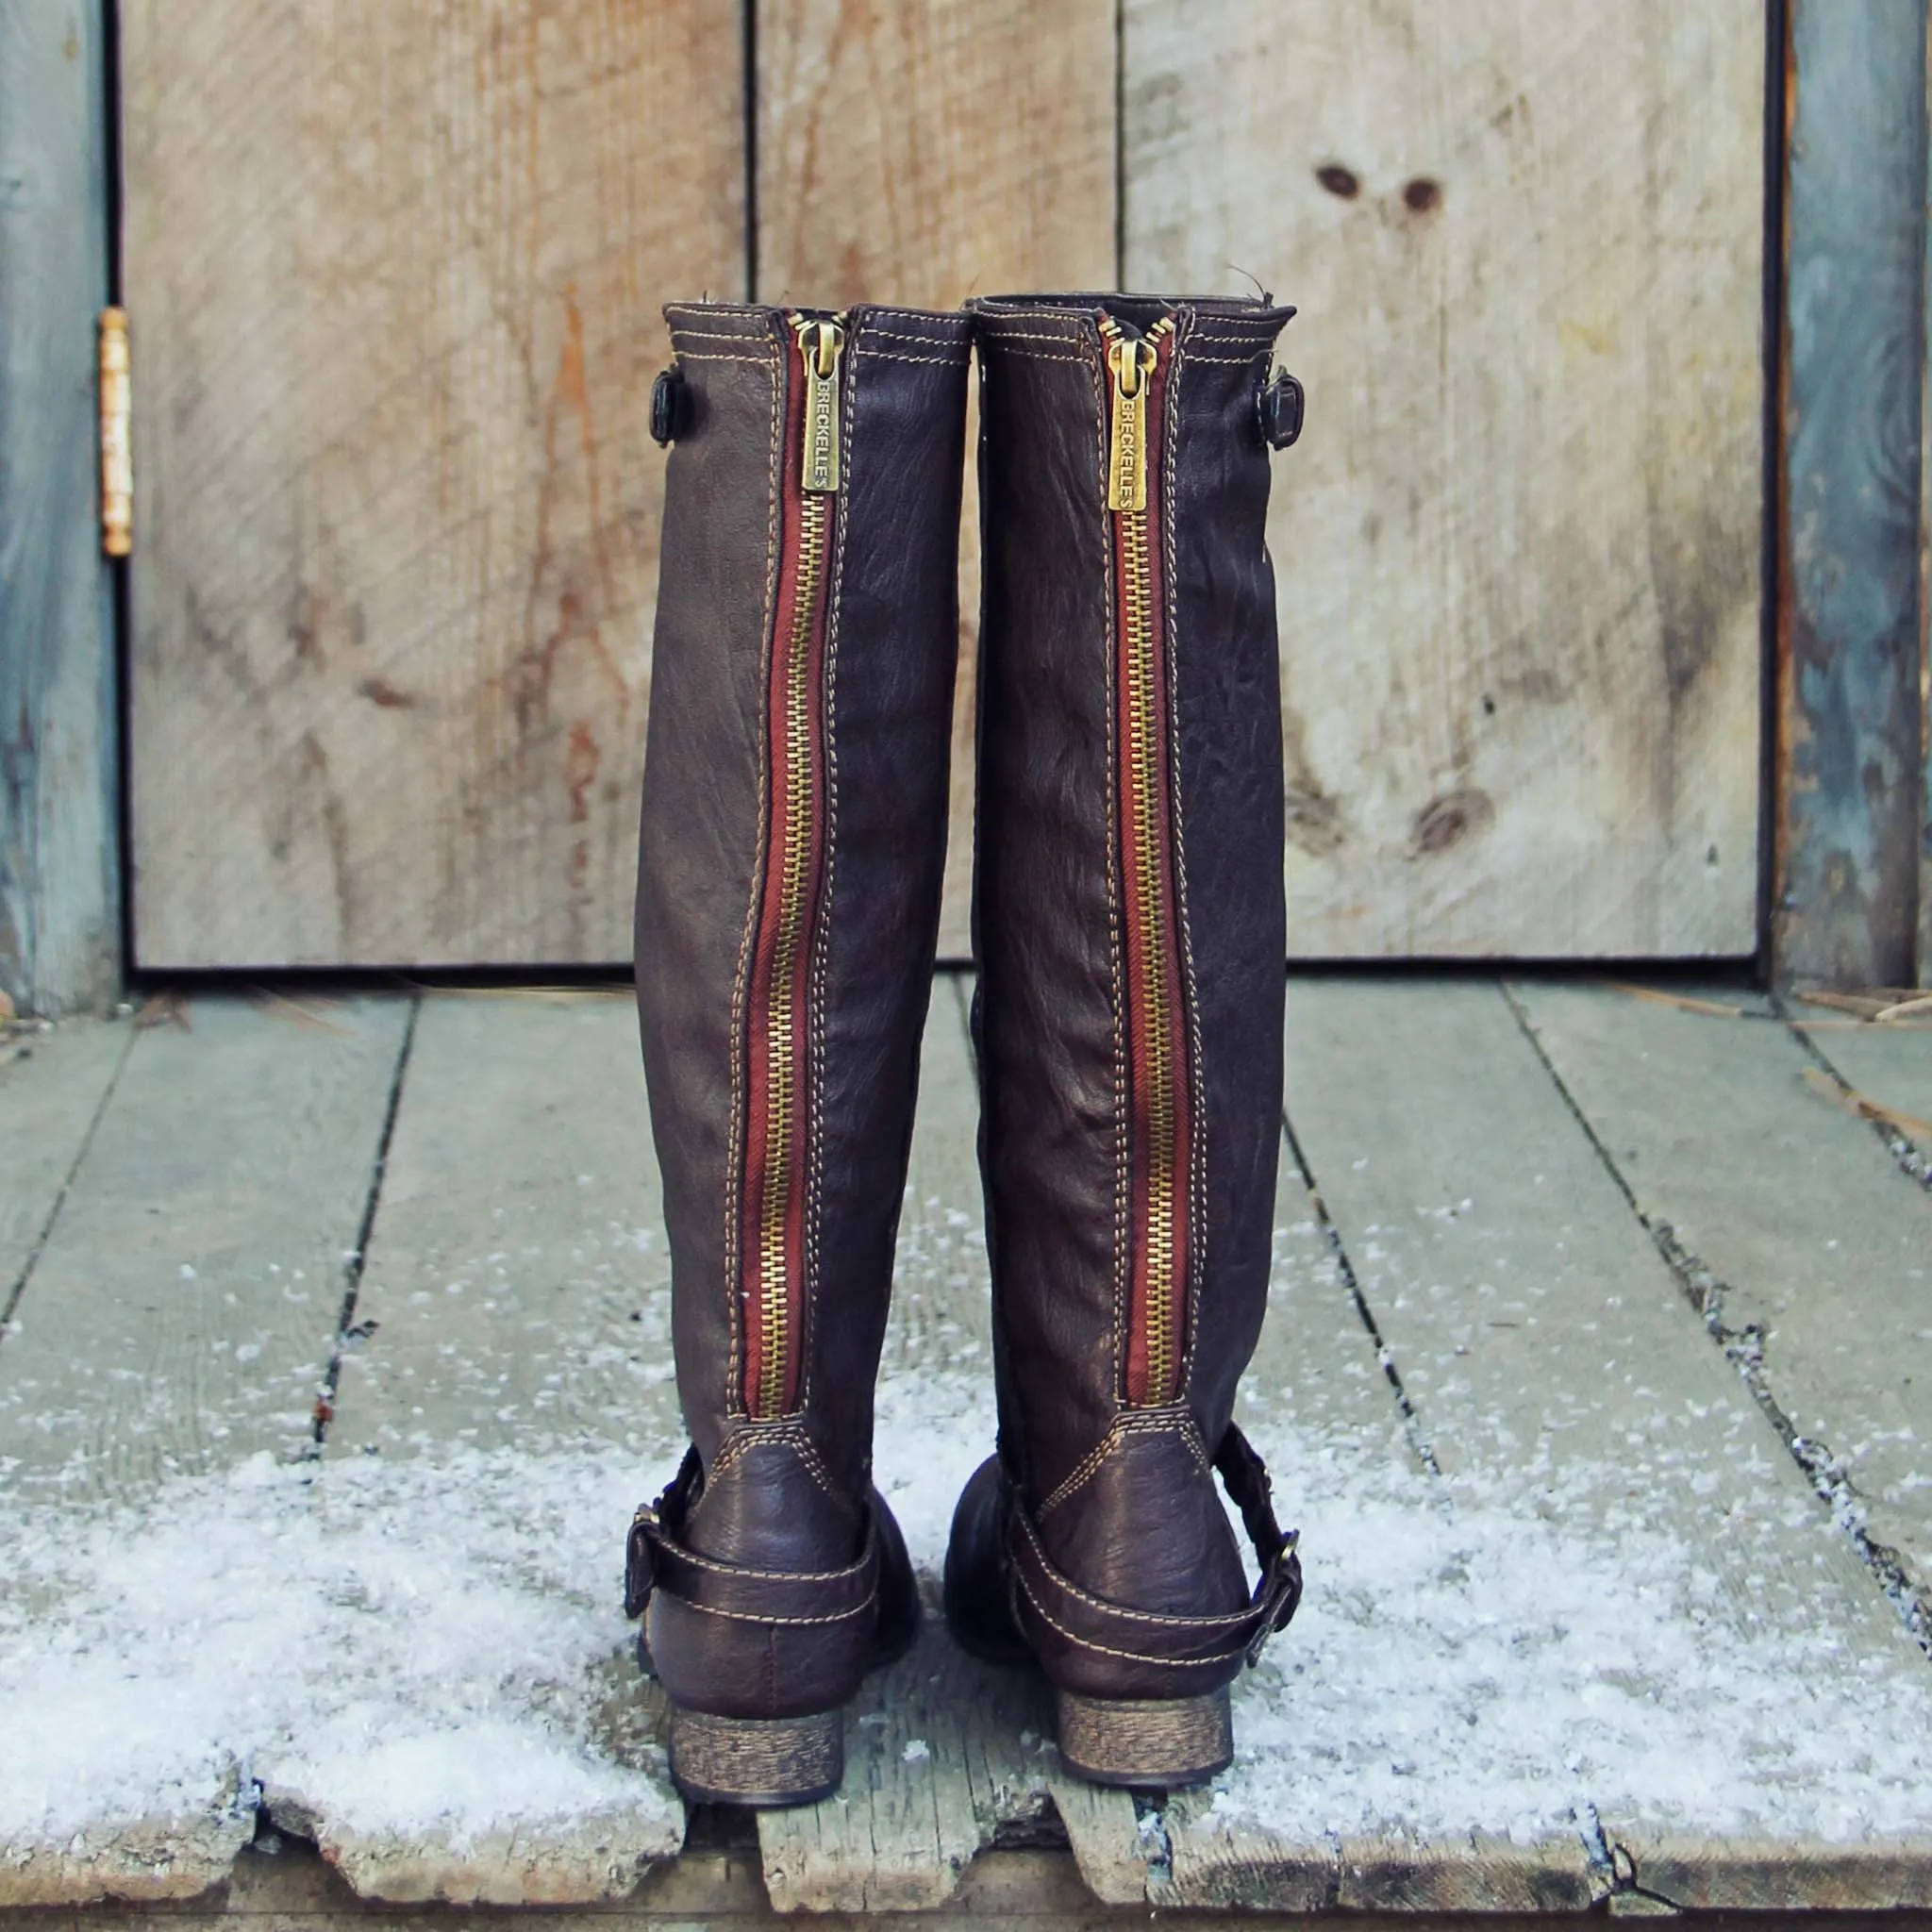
(1849, 766)
(59, 861)
(1924, 961)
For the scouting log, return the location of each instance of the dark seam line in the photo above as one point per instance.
(961, 984)
(1411, 1421)
(1913, 1161)
(67, 1180)
(1707, 1292)
(358, 1254)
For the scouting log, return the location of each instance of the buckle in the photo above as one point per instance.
(1281, 407)
(640, 1560)
(1279, 1595)
(670, 406)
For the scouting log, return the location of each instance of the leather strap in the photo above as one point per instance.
(657, 1558)
(1180, 1642)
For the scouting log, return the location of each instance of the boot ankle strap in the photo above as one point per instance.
(657, 1558)
(1278, 1594)
(1182, 1647)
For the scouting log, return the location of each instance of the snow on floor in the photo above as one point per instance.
(434, 1644)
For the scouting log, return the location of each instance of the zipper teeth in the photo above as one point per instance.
(782, 1107)
(776, 1045)
(1158, 1097)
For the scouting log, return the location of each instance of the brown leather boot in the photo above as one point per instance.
(793, 840)
(1131, 936)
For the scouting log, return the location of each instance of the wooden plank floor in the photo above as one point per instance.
(1598, 1374)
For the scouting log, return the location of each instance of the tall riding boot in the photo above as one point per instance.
(1131, 935)
(793, 841)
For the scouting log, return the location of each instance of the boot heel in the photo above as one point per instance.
(1166, 1743)
(743, 1760)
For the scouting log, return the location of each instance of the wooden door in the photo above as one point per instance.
(395, 272)
(1520, 544)
(394, 275)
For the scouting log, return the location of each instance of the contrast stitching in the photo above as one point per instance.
(822, 937)
(684, 1553)
(1204, 1626)
(1230, 361)
(1129, 1422)
(791, 1622)
(1041, 355)
(740, 1043)
(681, 333)
(1132, 1656)
(764, 362)
(1198, 1141)
(893, 356)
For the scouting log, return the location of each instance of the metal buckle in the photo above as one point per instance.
(639, 1561)
(1279, 1595)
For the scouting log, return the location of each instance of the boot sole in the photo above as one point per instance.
(1142, 1742)
(758, 1761)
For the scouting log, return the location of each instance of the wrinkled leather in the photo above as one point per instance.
(1102, 1520)
(793, 1498)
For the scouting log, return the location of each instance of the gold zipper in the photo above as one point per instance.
(820, 347)
(1132, 360)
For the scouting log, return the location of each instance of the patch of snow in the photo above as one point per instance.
(408, 1646)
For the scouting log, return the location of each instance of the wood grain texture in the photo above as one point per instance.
(50, 1097)
(394, 275)
(59, 839)
(518, 1283)
(1850, 769)
(923, 155)
(1517, 546)
(1923, 937)
(1813, 1251)
(181, 1314)
(1547, 1347)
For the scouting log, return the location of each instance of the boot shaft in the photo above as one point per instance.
(1129, 913)
(792, 842)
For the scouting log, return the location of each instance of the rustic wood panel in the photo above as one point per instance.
(1519, 545)
(59, 839)
(1850, 769)
(52, 1090)
(516, 1302)
(394, 275)
(1812, 1252)
(181, 1314)
(923, 155)
(1553, 1359)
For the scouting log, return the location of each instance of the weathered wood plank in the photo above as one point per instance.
(181, 1314)
(396, 275)
(1850, 772)
(51, 1094)
(1888, 1065)
(1812, 1253)
(1924, 930)
(177, 1323)
(923, 155)
(513, 1324)
(1722, 1672)
(1519, 547)
(60, 841)
(518, 1283)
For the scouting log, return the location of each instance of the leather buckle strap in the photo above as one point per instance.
(657, 1558)
(1278, 1594)
(647, 1533)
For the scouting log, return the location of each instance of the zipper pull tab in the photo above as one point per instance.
(1132, 359)
(820, 345)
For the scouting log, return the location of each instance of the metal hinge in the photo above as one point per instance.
(117, 455)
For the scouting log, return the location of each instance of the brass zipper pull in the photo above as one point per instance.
(1130, 358)
(820, 345)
